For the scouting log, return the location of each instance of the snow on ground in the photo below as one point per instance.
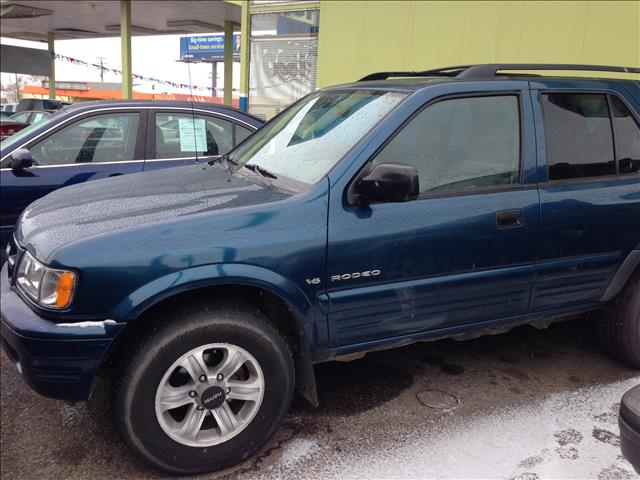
(554, 440)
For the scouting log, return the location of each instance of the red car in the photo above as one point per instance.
(8, 126)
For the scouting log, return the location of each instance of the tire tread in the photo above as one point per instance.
(619, 328)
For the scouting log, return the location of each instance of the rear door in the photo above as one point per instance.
(589, 190)
(461, 253)
(179, 137)
(89, 148)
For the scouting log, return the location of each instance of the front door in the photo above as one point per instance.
(462, 252)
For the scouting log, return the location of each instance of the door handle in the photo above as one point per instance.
(115, 175)
(510, 219)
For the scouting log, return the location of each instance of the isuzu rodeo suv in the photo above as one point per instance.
(408, 206)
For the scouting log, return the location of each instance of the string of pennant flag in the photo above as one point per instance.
(144, 78)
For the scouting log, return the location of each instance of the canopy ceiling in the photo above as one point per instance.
(32, 19)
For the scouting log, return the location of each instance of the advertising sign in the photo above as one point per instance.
(206, 48)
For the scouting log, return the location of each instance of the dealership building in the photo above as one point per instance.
(287, 48)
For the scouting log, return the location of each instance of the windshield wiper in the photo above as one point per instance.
(223, 158)
(261, 170)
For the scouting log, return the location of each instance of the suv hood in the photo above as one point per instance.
(107, 206)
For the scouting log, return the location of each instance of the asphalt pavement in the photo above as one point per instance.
(525, 405)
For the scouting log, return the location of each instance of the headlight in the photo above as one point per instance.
(48, 287)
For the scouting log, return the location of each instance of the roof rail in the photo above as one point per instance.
(491, 70)
(446, 71)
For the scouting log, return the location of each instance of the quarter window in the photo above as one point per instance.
(578, 135)
(241, 133)
(100, 138)
(180, 135)
(627, 138)
(461, 144)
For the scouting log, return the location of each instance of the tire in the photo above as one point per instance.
(619, 328)
(140, 399)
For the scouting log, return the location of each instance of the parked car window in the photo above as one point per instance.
(39, 116)
(461, 144)
(185, 135)
(578, 135)
(241, 133)
(627, 137)
(21, 117)
(100, 138)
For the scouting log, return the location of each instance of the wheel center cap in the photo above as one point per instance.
(212, 397)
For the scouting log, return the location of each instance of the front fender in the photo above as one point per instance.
(310, 321)
(207, 276)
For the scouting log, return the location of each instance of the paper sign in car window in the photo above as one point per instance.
(193, 134)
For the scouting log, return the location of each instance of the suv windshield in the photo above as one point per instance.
(308, 139)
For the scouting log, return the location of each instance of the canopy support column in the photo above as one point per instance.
(228, 63)
(245, 34)
(52, 66)
(125, 44)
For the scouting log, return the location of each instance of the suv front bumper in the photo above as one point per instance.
(56, 360)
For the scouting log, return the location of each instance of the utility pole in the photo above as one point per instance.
(17, 88)
(214, 77)
(101, 69)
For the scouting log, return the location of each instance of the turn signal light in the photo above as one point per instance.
(64, 292)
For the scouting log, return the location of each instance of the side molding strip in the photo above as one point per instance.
(620, 279)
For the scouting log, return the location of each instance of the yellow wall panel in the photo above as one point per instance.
(617, 24)
(436, 30)
(360, 37)
(553, 32)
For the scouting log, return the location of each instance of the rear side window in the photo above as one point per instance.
(627, 137)
(183, 135)
(21, 117)
(461, 144)
(578, 134)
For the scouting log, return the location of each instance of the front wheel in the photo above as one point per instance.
(205, 391)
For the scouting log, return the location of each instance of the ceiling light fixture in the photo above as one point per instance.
(134, 28)
(202, 26)
(13, 10)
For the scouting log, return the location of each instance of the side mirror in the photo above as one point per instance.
(387, 182)
(20, 159)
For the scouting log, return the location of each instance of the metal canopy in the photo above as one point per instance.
(33, 20)
(28, 61)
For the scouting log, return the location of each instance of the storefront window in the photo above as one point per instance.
(284, 52)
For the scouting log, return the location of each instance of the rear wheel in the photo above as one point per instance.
(204, 392)
(619, 328)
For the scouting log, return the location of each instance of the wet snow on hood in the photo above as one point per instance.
(98, 207)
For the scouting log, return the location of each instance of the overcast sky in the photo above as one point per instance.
(151, 56)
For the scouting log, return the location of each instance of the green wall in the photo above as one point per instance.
(360, 37)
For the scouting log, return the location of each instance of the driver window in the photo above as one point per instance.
(100, 138)
(461, 144)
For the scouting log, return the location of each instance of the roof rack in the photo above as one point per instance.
(491, 70)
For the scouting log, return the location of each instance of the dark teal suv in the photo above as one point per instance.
(406, 207)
